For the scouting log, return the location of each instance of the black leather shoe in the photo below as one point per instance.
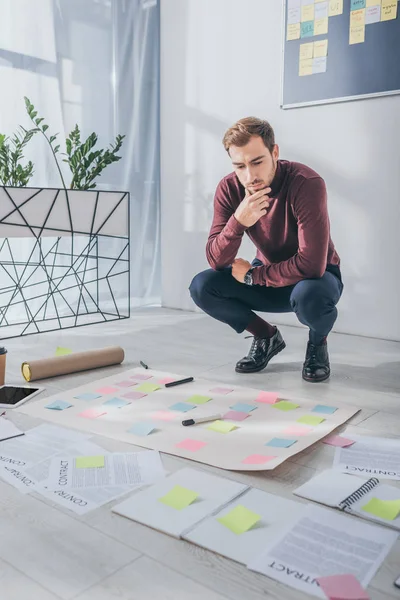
(316, 366)
(261, 352)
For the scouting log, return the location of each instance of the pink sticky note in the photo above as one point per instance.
(235, 415)
(192, 445)
(166, 380)
(107, 390)
(337, 440)
(92, 413)
(257, 459)
(164, 415)
(342, 587)
(267, 397)
(221, 390)
(125, 383)
(134, 395)
(297, 430)
(141, 377)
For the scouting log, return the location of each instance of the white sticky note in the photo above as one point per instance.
(294, 16)
(319, 65)
(321, 10)
(372, 14)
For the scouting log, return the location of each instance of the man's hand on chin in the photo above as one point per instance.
(240, 268)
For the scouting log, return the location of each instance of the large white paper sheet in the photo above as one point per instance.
(369, 456)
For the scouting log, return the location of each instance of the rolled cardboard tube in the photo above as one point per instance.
(72, 363)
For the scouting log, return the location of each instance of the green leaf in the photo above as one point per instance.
(38, 121)
(45, 128)
(56, 149)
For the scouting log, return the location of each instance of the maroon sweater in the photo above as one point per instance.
(293, 239)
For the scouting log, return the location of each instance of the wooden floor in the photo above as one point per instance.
(47, 553)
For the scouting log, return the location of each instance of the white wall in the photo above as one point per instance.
(220, 61)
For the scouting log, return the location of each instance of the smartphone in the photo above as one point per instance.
(12, 396)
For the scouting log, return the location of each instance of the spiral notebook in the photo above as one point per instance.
(368, 499)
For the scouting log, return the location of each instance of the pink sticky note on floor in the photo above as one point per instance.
(342, 587)
(141, 377)
(267, 397)
(337, 440)
(164, 415)
(92, 413)
(192, 445)
(221, 390)
(257, 459)
(166, 380)
(297, 430)
(134, 395)
(107, 390)
(125, 384)
(235, 415)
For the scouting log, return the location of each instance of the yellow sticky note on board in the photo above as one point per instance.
(335, 8)
(240, 519)
(385, 509)
(62, 351)
(306, 50)
(179, 497)
(389, 10)
(310, 420)
(357, 17)
(222, 426)
(293, 32)
(307, 13)
(147, 388)
(357, 35)
(89, 462)
(320, 48)
(321, 26)
(374, 2)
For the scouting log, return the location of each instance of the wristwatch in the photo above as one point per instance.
(248, 278)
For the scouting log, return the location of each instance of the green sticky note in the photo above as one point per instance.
(147, 388)
(88, 462)
(62, 351)
(385, 509)
(310, 420)
(196, 399)
(239, 519)
(285, 405)
(179, 497)
(222, 426)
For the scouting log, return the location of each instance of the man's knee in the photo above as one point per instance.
(311, 298)
(205, 283)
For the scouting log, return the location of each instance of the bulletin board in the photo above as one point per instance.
(339, 50)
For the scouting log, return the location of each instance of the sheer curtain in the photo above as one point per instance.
(95, 63)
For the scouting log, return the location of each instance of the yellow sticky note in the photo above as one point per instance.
(316, 1)
(385, 509)
(389, 10)
(89, 462)
(147, 388)
(335, 8)
(62, 351)
(306, 50)
(240, 519)
(321, 26)
(310, 420)
(293, 31)
(357, 35)
(305, 68)
(197, 399)
(179, 497)
(357, 17)
(373, 3)
(320, 48)
(307, 13)
(222, 426)
(284, 404)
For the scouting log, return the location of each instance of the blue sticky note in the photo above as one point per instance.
(58, 405)
(325, 410)
(87, 396)
(142, 428)
(116, 403)
(181, 406)
(307, 29)
(357, 4)
(242, 407)
(280, 443)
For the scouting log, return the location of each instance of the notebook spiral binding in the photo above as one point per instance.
(358, 494)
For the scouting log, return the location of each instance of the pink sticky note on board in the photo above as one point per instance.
(221, 390)
(257, 459)
(337, 440)
(297, 430)
(134, 395)
(141, 377)
(125, 384)
(342, 587)
(191, 445)
(166, 380)
(267, 397)
(92, 413)
(164, 415)
(107, 390)
(235, 415)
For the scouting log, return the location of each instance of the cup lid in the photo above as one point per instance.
(3, 350)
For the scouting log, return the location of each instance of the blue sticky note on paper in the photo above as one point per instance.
(280, 443)
(181, 406)
(116, 403)
(87, 396)
(242, 407)
(323, 409)
(357, 4)
(307, 29)
(142, 428)
(58, 405)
